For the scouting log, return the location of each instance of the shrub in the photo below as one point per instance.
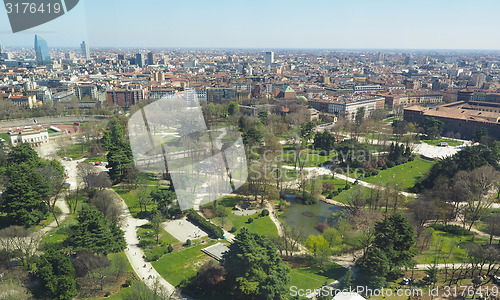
(264, 212)
(310, 199)
(170, 248)
(233, 229)
(374, 172)
(250, 220)
(347, 186)
(128, 282)
(188, 242)
(452, 229)
(390, 164)
(339, 190)
(212, 229)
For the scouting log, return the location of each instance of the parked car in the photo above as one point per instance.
(97, 163)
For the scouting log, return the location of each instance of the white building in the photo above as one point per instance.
(34, 136)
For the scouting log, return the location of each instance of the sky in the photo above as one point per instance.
(270, 24)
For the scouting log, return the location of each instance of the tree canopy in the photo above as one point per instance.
(95, 233)
(255, 269)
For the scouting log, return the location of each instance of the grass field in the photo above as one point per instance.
(59, 234)
(451, 143)
(404, 175)
(182, 263)
(313, 278)
(4, 136)
(452, 248)
(131, 200)
(146, 232)
(262, 226)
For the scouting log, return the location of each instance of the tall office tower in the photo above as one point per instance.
(42, 52)
(269, 58)
(151, 58)
(381, 57)
(407, 60)
(139, 60)
(85, 50)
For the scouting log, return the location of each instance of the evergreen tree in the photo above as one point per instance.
(396, 238)
(94, 233)
(57, 275)
(255, 269)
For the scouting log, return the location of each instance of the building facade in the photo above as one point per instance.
(42, 52)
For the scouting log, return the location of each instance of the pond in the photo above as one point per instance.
(307, 217)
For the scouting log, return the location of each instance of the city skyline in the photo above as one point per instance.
(271, 25)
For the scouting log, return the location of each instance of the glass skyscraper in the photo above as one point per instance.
(42, 51)
(85, 50)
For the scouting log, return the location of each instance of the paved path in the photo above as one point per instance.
(135, 254)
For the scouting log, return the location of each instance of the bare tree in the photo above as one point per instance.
(20, 240)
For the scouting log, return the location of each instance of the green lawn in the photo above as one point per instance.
(262, 226)
(4, 136)
(451, 143)
(404, 175)
(313, 278)
(59, 234)
(452, 248)
(146, 232)
(312, 158)
(182, 263)
(130, 198)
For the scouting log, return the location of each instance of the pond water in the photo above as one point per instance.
(306, 217)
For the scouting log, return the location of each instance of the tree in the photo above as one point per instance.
(347, 281)
(107, 203)
(476, 188)
(432, 127)
(264, 117)
(233, 108)
(94, 233)
(376, 267)
(360, 115)
(21, 242)
(22, 200)
(119, 152)
(254, 268)
(396, 238)
(156, 220)
(481, 133)
(55, 180)
(57, 275)
(92, 269)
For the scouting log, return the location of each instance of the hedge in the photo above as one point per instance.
(452, 229)
(212, 229)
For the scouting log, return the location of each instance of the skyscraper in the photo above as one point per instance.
(42, 52)
(139, 60)
(151, 58)
(85, 50)
(269, 58)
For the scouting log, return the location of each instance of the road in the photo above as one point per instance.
(49, 120)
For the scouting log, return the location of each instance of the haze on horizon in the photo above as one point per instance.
(280, 24)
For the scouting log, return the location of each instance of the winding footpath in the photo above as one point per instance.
(144, 270)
